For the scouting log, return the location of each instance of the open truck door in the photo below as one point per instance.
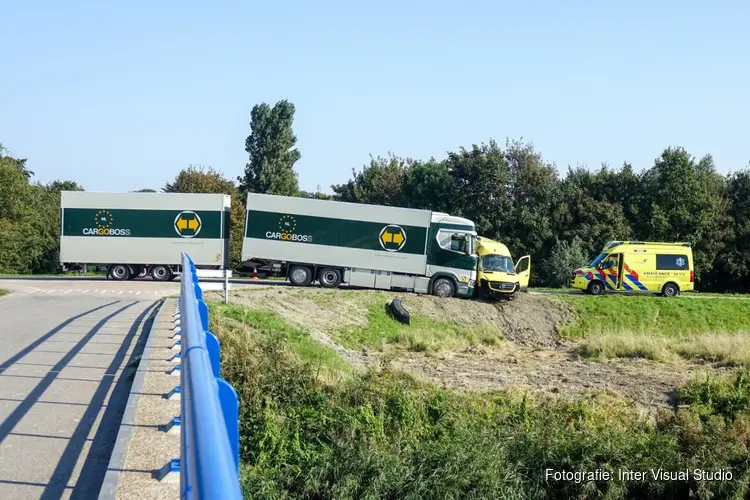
(523, 272)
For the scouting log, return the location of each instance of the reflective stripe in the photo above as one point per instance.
(636, 282)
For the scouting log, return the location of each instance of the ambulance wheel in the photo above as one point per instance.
(300, 275)
(161, 273)
(329, 277)
(596, 288)
(444, 288)
(119, 272)
(670, 290)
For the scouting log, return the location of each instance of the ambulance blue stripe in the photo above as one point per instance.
(637, 283)
(626, 286)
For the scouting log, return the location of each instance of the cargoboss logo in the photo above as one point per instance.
(287, 231)
(104, 221)
(392, 238)
(187, 224)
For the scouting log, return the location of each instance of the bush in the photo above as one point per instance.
(381, 434)
(564, 258)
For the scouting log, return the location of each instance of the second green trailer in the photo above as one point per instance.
(360, 245)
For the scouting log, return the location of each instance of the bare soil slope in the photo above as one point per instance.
(535, 357)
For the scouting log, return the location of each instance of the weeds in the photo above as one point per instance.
(655, 316)
(380, 434)
(422, 334)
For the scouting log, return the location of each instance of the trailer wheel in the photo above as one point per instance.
(329, 277)
(300, 275)
(161, 273)
(119, 272)
(444, 288)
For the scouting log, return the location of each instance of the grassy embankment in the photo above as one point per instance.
(715, 330)
(313, 428)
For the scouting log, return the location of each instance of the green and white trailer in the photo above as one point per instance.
(137, 234)
(359, 245)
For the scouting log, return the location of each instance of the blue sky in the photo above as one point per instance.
(121, 97)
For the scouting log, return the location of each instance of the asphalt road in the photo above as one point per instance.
(100, 287)
(64, 383)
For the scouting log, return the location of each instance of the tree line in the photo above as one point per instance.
(512, 194)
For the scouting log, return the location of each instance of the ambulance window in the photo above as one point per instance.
(672, 262)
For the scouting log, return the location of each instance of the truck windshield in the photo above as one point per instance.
(598, 259)
(497, 263)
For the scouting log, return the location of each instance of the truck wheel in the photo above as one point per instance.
(300, 276)
(443, 288)
(670, 290)
(161, 273)
(596, 288)
(329, 277)
(119, 272)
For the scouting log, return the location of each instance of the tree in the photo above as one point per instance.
(563, 259)
(481, 179)
(429, 185)
(144, 191)
(200, 179)
(732, 266)
(534, 188)
(29, 219)
(379, 183)
(684, 200)
(270, 147)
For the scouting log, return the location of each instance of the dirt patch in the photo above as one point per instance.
(529, 321)
(558, 371)
(535, 357)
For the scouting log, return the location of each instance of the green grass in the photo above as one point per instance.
(4, 292)
(655, 315)
(422, 334)
(260, 323)
(381, 434)
(661, 329)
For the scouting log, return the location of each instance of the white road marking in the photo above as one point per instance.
(120, 293)
(85, 291)
(138, 292)
(48, 291)
(68, 291)
(104, 291)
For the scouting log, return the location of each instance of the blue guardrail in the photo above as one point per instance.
(209, 429)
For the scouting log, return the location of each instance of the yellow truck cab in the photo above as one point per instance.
(497, 277)
(637, 266)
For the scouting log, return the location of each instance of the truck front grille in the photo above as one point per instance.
(502, 285)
